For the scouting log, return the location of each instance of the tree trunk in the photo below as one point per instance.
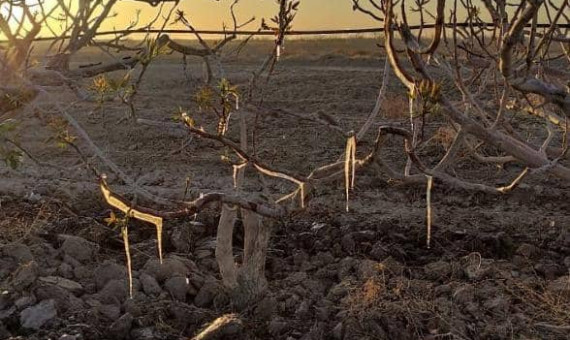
(224, 251)
(247, 283)
(251, 280)
(213, 71)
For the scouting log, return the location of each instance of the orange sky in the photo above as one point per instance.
(313, 14)
(210, 14)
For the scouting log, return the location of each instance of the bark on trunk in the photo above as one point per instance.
(245, 284)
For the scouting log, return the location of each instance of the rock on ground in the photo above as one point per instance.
(37, 316)
(120, 329)
(107, 271)
(78, 248)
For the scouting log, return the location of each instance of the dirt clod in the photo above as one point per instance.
(78, 248)
(121, 327)
(206, 295)
(107, 271)
(149, 285)
(19, 252)
(25, 276)
(114, 292)
(177, 287)
(170, 267)
(37, 316)
(277, 326)
(71, 286)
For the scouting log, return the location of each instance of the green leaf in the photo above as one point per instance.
(14, 158)
(8, 125)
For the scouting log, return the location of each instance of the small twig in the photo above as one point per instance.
(428, 209)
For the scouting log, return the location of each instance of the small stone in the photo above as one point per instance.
(146, 333)
(136, 306)
(120, 329)
(111, 312)
(72, 286)
(65, 299)
(71, 261)
(527, 250)
(323, 258)
(6, 268)
(170, 267)
(181, 239)
(149, 285)
(19, 252)
(25, 276)
(24, 302)
(65, 270)
(345, 267)
(348, 244)
(206, 295)
(177, 287)
(108, 271)
(114, 292)
(338, 291)
(203, 253)
(379, 251)
(78, 248)
(37, 316)
(197, 280)
(277, 326)
(550, 270)
(69, 337)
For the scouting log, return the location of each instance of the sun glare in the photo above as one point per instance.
(12, 15)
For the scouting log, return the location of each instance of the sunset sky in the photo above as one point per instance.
(210, 14)
(313, 14)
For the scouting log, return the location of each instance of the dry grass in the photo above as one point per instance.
(545, 306)
(445, 136)
(363, 297)
(395, 107)
(17, 224)
(399, 300)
